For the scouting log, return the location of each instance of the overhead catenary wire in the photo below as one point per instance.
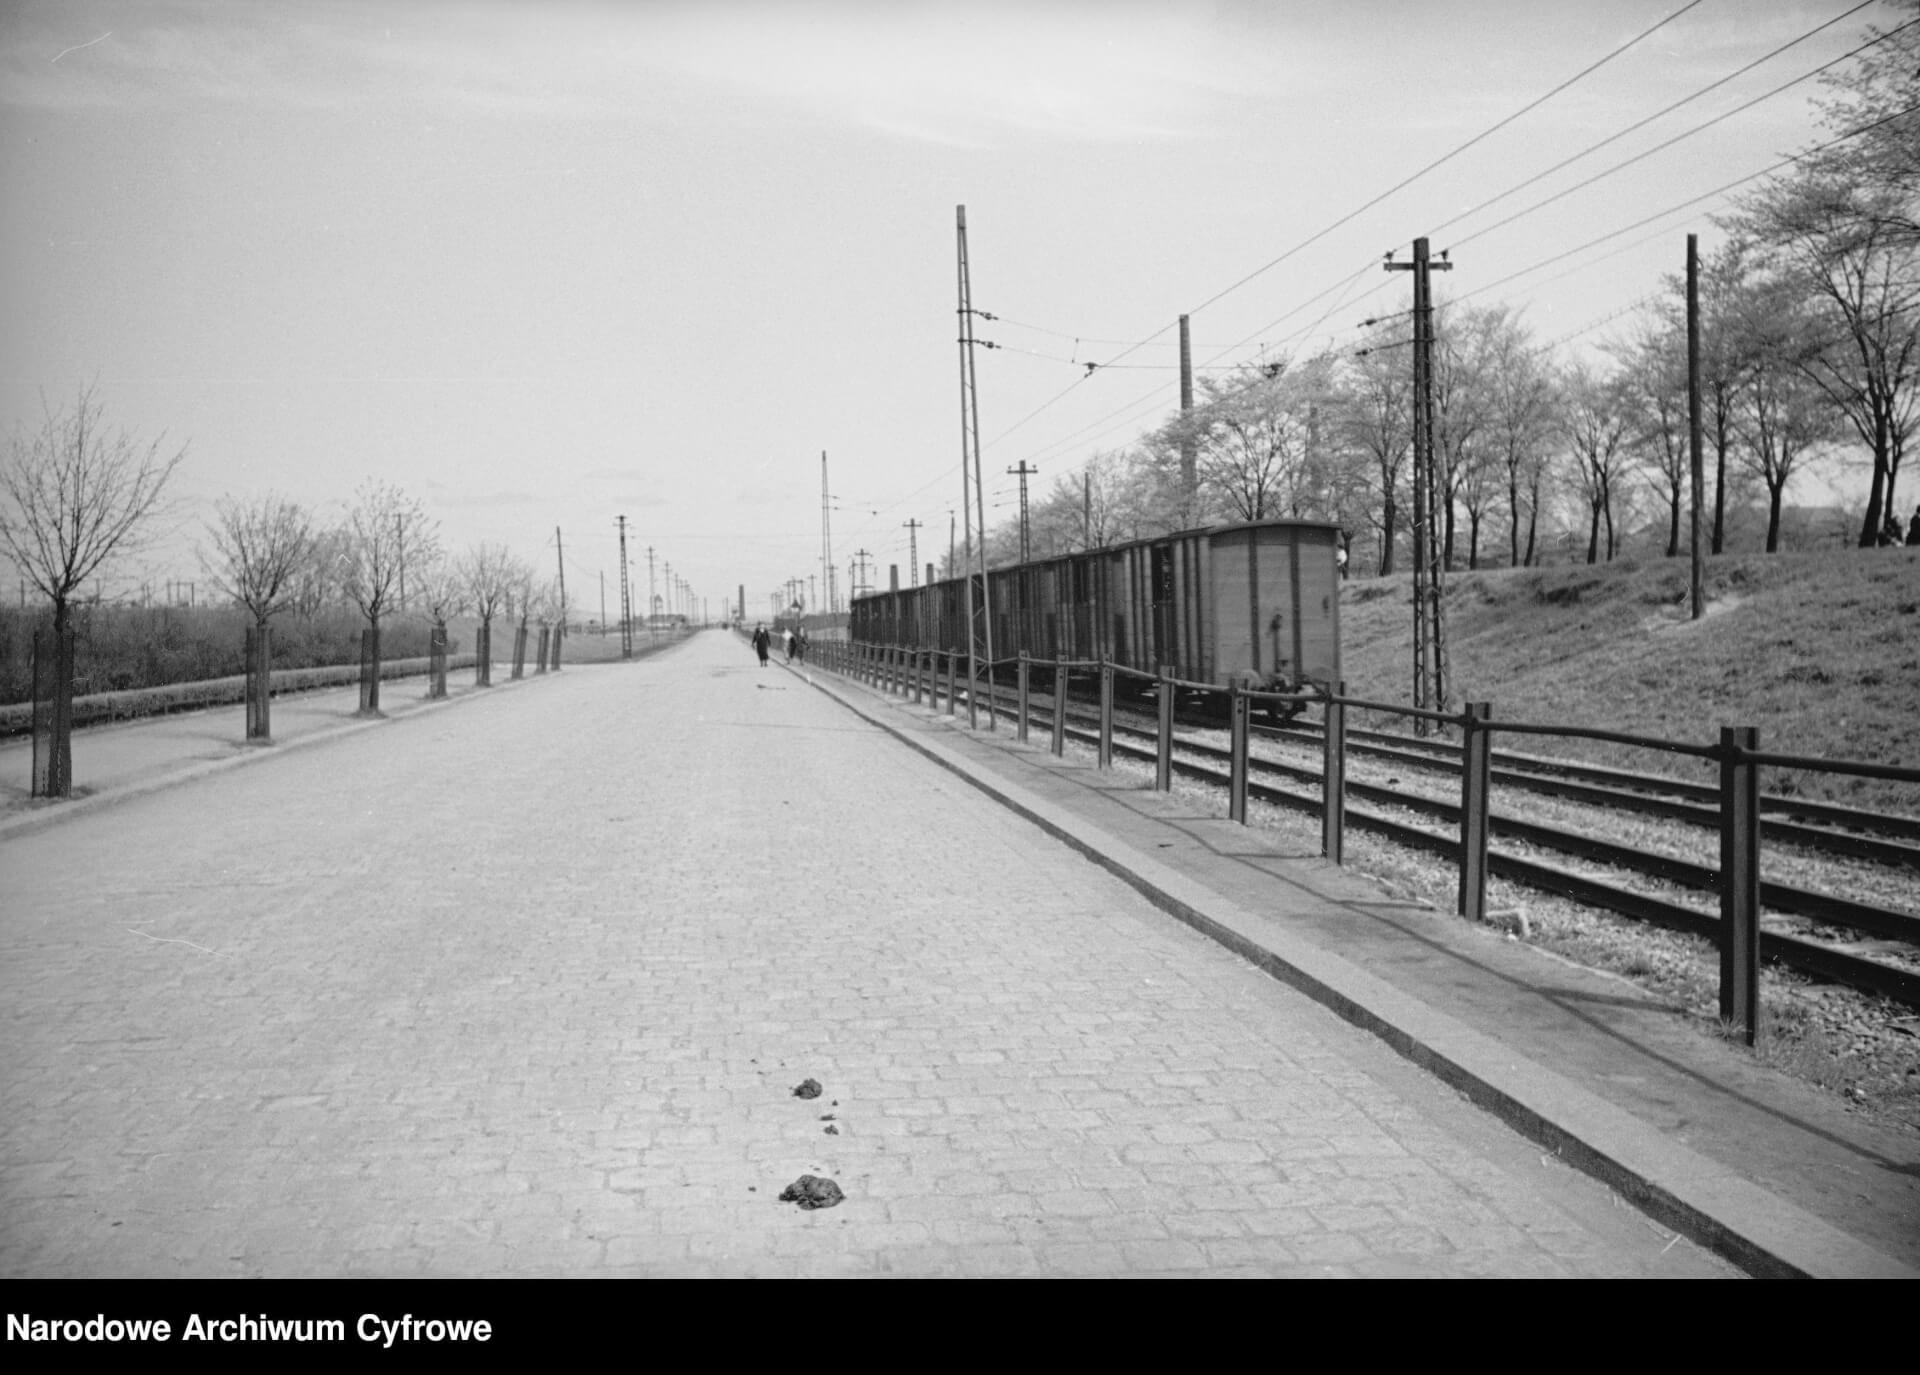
(1677, 138)
(1619, 134)
(1362, 209)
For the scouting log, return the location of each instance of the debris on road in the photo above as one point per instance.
(812, 1191)
(809, 1088)
(833, 1131)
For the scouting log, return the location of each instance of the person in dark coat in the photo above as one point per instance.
(762, 642)
(1913, 528)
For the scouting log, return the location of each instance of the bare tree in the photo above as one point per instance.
(1595, 423)
(1374, 416)
(260, 549)
(1653, 374)
(76, 494)
(1520, 426)
(1833, 238)
(1784, 417)
(385, 529)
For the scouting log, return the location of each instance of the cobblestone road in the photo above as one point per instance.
(523, 987)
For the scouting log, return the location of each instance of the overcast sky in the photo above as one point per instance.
(546, 264)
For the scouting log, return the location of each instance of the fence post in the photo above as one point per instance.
(919, 685)
(1020, 711)
(259, 671)
(1104, 757)
(1163, 750)
(1476, 749)
(953, 661)
(1237, 755)
(1740, 879)
(1333, 779)
(1059, 680)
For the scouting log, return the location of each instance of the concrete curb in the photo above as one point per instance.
(1721, 1210)
(34, 821)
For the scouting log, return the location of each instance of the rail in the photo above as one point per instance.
(902, 669)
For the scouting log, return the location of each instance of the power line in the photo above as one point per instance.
(1677, 138)
(1667, 110)
(1356, 213)
(1691, 201)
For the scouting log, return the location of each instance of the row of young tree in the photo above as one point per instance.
(76, 492)
(1809, 360)
(271, 555)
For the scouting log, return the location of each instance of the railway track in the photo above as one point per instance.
(1819, 958)
(1891, 840)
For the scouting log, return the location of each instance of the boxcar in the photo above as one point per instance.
(1256, 604)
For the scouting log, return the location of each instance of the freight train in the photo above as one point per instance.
(1254, 604)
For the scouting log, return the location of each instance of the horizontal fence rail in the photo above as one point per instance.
(1736, 814)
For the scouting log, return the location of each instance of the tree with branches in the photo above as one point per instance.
(385, 529)
(260, 549)
(490, 575)
(1596, 424)
(76, 493)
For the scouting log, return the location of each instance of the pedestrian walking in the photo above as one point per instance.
(1913, 528)
(762, 642)
(800, 640)
(790, 638)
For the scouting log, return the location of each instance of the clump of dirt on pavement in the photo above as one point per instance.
(812, 1191)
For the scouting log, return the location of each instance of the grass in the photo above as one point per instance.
(1820, 651)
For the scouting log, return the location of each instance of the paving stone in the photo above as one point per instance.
(421, 1053)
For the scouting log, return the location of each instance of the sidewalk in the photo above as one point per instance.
(127, 759)
(1745, 1160)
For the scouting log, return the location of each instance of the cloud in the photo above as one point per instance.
(944, 72)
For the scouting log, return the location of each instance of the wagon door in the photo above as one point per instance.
(1161, 591)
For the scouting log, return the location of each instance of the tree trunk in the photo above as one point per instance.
(1593, 532)
(1720, 445)
(1387, 532)
(1774, 489)
(1513, 520)
(1878, 497)
(1673, 526)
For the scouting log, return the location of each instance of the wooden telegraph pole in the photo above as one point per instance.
(1696, 585)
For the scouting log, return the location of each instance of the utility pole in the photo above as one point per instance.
(626, 598)
(560, 554)
(913, 553)
(652, 596)
(1189, 455)
(860, 581)
(979, 607)
(1429, 649)
(953, 565)
(826, 533)
(400, 543)
(1697, 582)
(1086, 510)
(1026, 543)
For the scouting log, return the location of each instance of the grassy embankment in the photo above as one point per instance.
(1820, 651)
